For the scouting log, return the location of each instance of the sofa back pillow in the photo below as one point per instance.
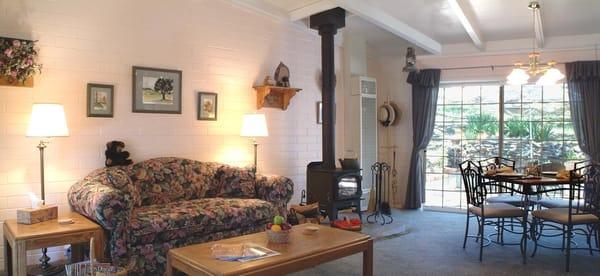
(168, 179)
(233, 182)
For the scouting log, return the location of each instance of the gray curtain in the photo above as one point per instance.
(583, 79)
(425, 87)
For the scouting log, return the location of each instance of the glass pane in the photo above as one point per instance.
(452, 113)
(567, 109)
(514, 128)
(453, 182)
(553, 111)
(569, 132)
(512, 149)
(512, 94)
(434, 164)
(453, 154)
(490, 94)
(471, 112)
(452, 131)
(438, 131)
(553, 93)
(441, 96)
(452, 199)
(487, 129)
(435, 148)
(471, 95)
(434, 181)
(573, 152)
(433, 198)
(439, 113)
(552, 152)
(532, 112)
(490, 112)
(489, 148)
(471, 149)
(532, 93)
(512, 112)
(453, 95)
(555, 131)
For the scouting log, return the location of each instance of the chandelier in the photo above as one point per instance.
(521, 73)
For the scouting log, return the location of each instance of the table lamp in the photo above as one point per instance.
(254, 125)
(47, 120)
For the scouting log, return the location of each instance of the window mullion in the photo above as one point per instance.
(501, 122)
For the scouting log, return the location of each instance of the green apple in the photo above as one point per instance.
(278, 220)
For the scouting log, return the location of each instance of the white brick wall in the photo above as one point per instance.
(218, 46)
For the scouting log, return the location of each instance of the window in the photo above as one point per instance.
(528, 123)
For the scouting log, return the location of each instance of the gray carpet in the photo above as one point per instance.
(433, 246)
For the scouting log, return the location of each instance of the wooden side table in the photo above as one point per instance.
(18, 238)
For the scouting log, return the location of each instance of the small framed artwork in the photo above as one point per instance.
(100, 99)
(207, 106)
(156, 90)
(320, 113)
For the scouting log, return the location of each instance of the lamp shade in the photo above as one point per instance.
(47, 120)
(518, 76)
(254, 125)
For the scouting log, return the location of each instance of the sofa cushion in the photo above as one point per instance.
(176, 220)
(233, 182)
(167, 179)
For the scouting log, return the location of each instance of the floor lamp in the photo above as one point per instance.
(47, 120)
(254, 125)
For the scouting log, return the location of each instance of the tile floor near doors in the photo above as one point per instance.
(434, 247)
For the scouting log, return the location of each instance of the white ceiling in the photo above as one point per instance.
(495, 19)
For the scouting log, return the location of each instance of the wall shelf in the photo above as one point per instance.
(274, 96)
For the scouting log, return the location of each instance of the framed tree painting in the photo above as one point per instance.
(207, 106)
(100, 100)
(156, 90)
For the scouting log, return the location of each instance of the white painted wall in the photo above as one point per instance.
(219, 47)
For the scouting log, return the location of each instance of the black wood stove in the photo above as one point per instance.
(333, 188)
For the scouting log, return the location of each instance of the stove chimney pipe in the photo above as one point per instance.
(328, 22)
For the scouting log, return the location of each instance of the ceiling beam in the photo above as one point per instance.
(462, 9)
(263, 8)
(314, 8)
(390, 23)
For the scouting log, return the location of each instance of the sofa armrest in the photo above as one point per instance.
(275, 189)
(101, 203)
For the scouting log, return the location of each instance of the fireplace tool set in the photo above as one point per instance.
(381, 179)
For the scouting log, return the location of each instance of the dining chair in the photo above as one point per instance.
(581, 216)
(500, 195)
(556, 201)
(485, 213)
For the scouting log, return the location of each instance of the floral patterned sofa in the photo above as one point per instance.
(158, 204)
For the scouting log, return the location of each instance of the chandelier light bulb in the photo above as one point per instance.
(551, 76)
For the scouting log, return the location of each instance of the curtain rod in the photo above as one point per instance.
(483, 66)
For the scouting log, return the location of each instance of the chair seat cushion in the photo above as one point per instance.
(176, 220)
(548, 202)
(561, 215)
(514, 200)
(497, 210)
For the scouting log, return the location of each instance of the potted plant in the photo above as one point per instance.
(18, 62)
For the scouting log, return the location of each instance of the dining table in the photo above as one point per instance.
(529, 186)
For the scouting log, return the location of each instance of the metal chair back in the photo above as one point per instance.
(472, 180)
(584, 191)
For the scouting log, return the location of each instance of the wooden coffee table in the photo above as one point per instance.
(302, 252)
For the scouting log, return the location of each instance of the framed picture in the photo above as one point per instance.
(100, 99)
(320, 113)
(156, 90)
(207, 106)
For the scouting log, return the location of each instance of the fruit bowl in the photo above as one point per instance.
(282, 236)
